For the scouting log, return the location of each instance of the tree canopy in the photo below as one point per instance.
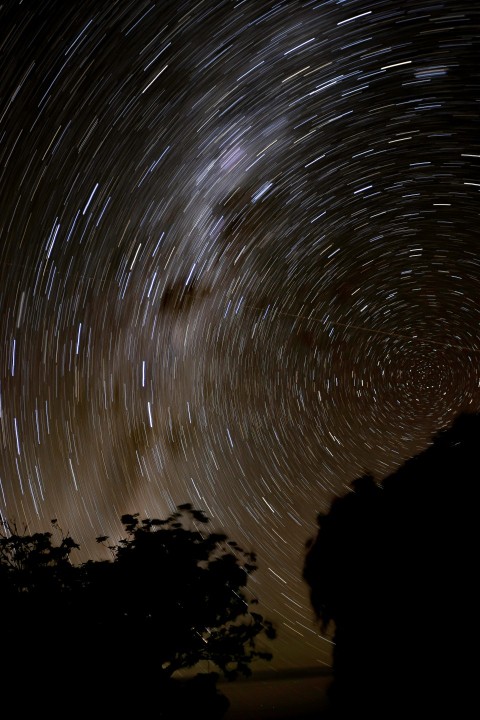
(171, 595)
(390, 568)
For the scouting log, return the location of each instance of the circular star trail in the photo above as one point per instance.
(239, 262)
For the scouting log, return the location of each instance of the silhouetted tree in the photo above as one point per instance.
(38, 583)
(171, 596)
(179, 592)
(388, 569)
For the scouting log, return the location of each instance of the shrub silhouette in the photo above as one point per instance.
(171, 596)
(390, 569)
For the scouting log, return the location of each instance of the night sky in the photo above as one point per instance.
(239, 262)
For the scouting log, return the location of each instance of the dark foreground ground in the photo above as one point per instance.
(285, 698)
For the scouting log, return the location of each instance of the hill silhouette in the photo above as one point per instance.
(392, 568)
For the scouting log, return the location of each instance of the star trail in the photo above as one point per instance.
(239, 262)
